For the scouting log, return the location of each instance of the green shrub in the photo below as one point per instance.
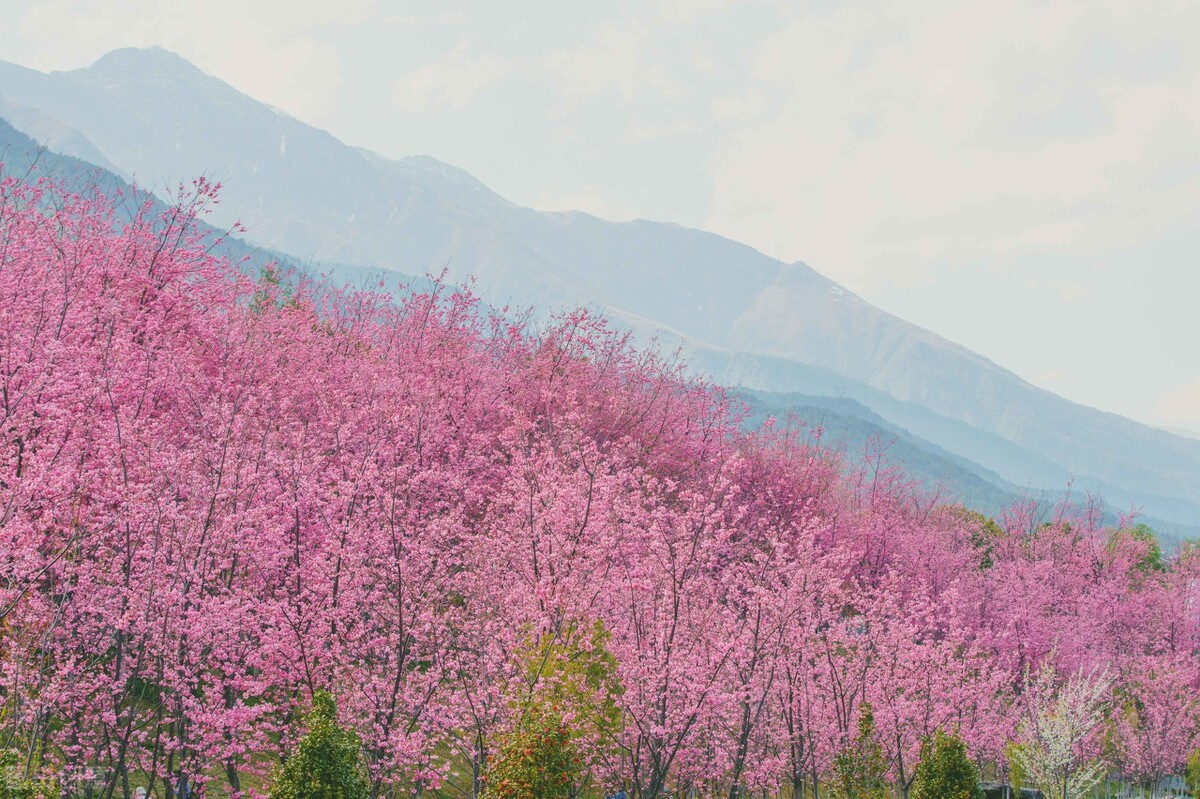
(14, 785)
(945, 771)
(536, 759)
(11, 784)
(860, 769)
(327, 763)
(1193, 775)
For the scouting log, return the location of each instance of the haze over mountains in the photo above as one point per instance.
(745, 318)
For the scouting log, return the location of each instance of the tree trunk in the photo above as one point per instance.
(231, 773)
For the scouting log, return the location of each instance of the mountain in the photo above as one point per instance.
(22, 155)
(55, 136)
(860, 436)
(745, 318)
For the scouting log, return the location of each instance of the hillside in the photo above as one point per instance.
(222, 505)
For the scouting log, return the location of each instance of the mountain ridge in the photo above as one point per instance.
(301, 191)
(850, 426)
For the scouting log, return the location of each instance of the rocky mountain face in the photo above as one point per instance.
(744, 318)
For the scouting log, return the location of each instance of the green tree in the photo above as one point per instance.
(536, 759)
(1152, 558)
(1016, 771)
(327, 763)
(264, 298)
(985, 532)
(573, 670)
(1193, 775)
(945, 771)
(860, 769)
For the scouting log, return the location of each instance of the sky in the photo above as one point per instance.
(1022, 178)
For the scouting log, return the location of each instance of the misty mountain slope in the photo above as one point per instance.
(294, 187)
(728, 294)
(1037, 475)
(743, 302)
(51, 133)
(864, 438)
(849, 426)
(301, 191)
(857, 434)
(21, 155)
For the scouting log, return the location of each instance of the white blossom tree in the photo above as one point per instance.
(1060, 721)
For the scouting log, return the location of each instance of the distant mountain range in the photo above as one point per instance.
(783, 332)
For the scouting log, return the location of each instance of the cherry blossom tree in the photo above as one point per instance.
(225, 490)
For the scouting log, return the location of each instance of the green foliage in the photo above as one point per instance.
(11, 784)
(985, 532)
(945, 770)
(573, 672)
(860, 769)
(1017, 777)
(574, 665)
(536, 759)
(1193, 775)
(275, 290)
(327, 762)
(14, 785)
(1152, 558)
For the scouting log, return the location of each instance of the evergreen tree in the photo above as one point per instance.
(945, 771)
(860, 769)
(327, 761)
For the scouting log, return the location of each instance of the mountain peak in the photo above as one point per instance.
(128, 62)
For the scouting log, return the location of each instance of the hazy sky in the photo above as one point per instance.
(1023, 178)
